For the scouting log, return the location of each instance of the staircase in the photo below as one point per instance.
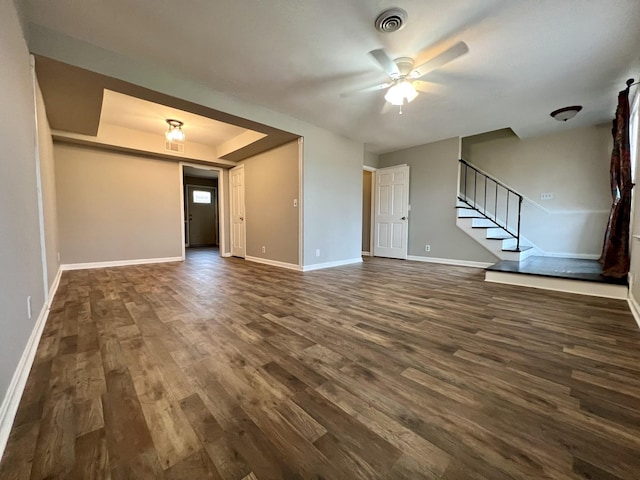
(489, 212)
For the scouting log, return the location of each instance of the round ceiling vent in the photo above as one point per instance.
(391, 20)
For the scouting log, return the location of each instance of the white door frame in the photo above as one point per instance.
(372, 205)
(41, 223)
(405, 218)
(221, 217)
(301, 201)
(243, 219)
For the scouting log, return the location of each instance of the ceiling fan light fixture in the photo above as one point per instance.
(400, 92)
(174, 133)
(566, 113)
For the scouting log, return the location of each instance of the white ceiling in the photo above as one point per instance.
(526, 58)
(137, 114)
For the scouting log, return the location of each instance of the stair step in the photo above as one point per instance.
(498, 232)
(559, 284)
(463, 204)
(482, 223)
(505, 236)
(504, 248)
(523, 248)
(469, 213)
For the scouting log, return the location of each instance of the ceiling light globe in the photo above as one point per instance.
(177, 135)
(174, 132)
(394, 96)
(401, 91)
(408, 90)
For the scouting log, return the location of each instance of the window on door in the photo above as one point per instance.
(201, 196)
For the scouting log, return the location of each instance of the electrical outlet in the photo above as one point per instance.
(29, 306)
(546, 196)
(427, 248)
(295, 202)
(317, 252)
(264, 249)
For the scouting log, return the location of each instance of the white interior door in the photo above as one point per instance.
(238, 229)
(391, 212)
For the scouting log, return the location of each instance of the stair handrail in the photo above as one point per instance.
(462, 196)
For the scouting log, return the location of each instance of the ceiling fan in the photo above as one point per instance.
(404, 79)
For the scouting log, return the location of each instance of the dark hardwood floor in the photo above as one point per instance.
(226, 369)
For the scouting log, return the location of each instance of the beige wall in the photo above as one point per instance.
(432, 196)
(271, 185)
(332, 198)
(371, 160)
(21, 273)
(573, 165)
(114, 207)
(366, 210)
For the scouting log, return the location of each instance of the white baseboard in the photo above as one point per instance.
(339, 263)
(366, 254)
(11, 401)
(118, 263)
(449, 261)
(54, 287)
(274, 263)
(306, 268)
(634, 307)
(559, 284)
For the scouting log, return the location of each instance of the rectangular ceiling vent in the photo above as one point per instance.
(174, 147)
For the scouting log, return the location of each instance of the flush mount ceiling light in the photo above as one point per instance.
(174, 133)
(566, 113)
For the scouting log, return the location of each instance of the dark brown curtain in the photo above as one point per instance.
(615, 251)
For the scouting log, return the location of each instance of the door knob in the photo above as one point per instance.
(241, 218)
(403, 218)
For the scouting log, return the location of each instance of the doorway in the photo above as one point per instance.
(202, 199)
(391, 212)
(368, 176)
(238, 229)
(202, 215)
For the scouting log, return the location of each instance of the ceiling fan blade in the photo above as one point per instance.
(373, 88)
(384, 61)
(428, 87)
(438, 61)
